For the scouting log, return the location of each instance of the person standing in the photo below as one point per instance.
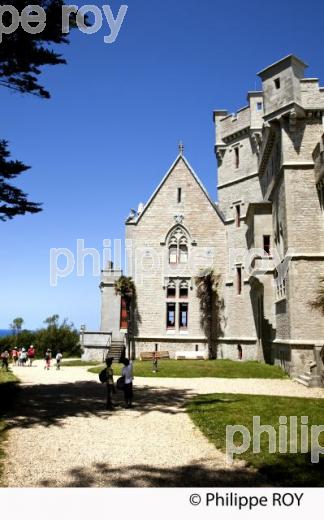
(155, 361)
(48, 357)
(58, 359)
(31, 354)
(110, 383)
(127, 373)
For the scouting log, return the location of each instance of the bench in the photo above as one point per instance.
(148, 356)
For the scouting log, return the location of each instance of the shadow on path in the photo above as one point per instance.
(195, 475)
(50, 404)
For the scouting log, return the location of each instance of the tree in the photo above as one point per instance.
(16, 327)
(125, 286)
(207, 284)
(318, 303)
(21, 57)
(58, 336)
(22, 54)
(13, 201)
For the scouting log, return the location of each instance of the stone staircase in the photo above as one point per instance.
(115, 350)
(308, 379)
(314, 376)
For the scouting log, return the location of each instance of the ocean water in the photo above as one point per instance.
(5, 332)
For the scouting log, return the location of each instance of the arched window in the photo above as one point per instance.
(171, 289)
(183, 289)
(178, 246)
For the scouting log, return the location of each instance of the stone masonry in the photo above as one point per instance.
(264, 237)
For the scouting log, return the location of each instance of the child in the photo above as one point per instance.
(58, 360)
(155, 362)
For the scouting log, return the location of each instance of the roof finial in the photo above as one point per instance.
(181, 148)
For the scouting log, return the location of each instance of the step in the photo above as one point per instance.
(301, 381)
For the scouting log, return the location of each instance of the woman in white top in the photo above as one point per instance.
(127, 373)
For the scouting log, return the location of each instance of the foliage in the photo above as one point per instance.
(21, 57)
(207, 284)
(221, 368)
(13, 201)
(56, 336)
(8, 393)
(16, 325)
(22, 54)
(126, 288)
(212, 413)
(318, 303)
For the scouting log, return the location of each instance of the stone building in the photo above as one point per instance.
(264, 237)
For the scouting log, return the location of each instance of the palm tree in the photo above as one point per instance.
(207, 284)
(125, 286)
(318, 303)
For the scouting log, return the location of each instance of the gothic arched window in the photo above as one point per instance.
(178, 246)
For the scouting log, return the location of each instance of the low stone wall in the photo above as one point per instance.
(293, 359)
(95, 345)
(172, 346)
(229, 351)
(94, 354)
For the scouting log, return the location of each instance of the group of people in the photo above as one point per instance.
(125, 383)
(24, 357)
(18, 356)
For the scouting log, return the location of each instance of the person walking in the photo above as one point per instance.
(110, 383)
(58, 359)
(14, 356)
(31, 352)
(48, 357)
(23, 357)
(127, 373)
(5, 360)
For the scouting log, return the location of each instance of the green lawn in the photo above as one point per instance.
(78, 363)
(212, 413)
(8, 389)
(211, 368)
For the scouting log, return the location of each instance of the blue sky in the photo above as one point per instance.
(110, 131)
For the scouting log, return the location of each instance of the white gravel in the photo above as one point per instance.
(61, 434)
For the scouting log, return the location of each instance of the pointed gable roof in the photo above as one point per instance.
(179, 158)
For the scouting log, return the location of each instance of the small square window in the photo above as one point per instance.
(277, 83)
(259, 106)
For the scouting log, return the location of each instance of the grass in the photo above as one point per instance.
(212, 413)
(8, 390)
(210, 368)
(78, 363)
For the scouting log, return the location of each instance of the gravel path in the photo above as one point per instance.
(61, 435)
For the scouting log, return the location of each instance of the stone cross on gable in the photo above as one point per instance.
(181, 148)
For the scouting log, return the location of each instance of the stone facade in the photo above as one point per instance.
(264, 237)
